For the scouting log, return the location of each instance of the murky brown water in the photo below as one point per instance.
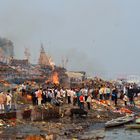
(19, 132)
(122, 134)
(28, 132)
(118, 133)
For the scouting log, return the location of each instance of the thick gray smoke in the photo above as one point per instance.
(7, 47)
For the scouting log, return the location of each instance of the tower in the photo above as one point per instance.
(43, 59)
(64, 62)
(27, 54)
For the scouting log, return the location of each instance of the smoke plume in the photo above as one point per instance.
(7, 47)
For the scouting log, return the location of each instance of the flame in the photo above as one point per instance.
(47, 81)
(33, 138)
(55, 78)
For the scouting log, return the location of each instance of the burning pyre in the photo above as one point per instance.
(55, 78)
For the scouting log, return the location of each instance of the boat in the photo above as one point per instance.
(133, 126)
(119, 121)
(138, 121)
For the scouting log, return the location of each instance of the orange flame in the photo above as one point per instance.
(47, 81)
(55, 78)
(33, 138)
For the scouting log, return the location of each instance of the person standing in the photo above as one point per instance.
(2, 101)
(50, 95)
(95, 93)
(89, 99)
(125, 99)
(63, 94)
(101, 93)
(10, 94)
(8, 102)
(108, 92)
(44, 97)
(69, 96)
(125, 91)
(131, 95)
(15, 98)
(39, 96)
(85, 93)
(34, 97)
(58, 95)
(74, 98)
(23, 89)
(115, 96)
(78, 94)
(82, 99)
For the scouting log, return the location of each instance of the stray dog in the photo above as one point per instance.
(78, 111)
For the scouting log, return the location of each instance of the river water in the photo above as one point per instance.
(122, 134)
(119, 133)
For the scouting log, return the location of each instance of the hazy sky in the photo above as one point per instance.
(99, 36)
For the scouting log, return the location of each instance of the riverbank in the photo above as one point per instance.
(64, 127)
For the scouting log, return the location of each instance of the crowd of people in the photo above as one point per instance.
(81, 97)
(8, 100)
(59, 96)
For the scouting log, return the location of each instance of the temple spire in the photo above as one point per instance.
(43, 59)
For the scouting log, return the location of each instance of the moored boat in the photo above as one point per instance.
(133, 126)
(138, 121)
(119, 121)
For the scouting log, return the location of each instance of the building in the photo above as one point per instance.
(6, 72)
(76, 78)
(133, 79)
(19, 63)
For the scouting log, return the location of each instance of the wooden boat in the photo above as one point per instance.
(138, 121)
(133, 126)
(119, 121)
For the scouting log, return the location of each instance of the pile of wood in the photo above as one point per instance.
(45, 112)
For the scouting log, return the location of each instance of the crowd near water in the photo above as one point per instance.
(99, 101)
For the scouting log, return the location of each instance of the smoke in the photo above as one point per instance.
(65, 23)
(7, 47)
(81, 60)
